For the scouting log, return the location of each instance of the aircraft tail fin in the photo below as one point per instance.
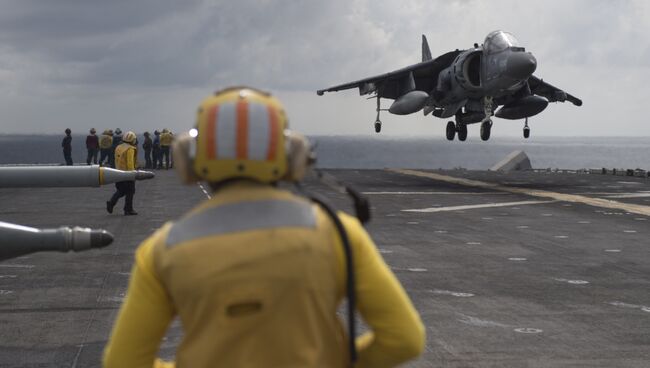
(426, 52)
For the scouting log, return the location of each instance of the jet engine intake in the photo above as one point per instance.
(522, 108)
(409, 103)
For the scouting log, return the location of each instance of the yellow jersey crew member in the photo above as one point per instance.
(125, 159)
(256, 273)
(166, 138)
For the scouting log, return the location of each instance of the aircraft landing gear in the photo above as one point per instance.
(486, 127)
(451, 130)
(462, 131)
(377, 121)
(526, 129)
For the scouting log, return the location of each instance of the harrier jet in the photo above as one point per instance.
(493, 79)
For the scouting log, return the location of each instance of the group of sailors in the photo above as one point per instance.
(156, 150)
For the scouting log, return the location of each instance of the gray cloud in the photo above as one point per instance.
(148, 62)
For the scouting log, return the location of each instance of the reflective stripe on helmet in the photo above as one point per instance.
(258, 132)
(225, 132)
(240, 217)
(242, 130)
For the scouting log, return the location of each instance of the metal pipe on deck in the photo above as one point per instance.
(66, 176)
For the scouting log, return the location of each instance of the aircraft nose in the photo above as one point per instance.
(521, 65)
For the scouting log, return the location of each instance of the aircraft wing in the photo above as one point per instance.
(550, 92)
(387, 85)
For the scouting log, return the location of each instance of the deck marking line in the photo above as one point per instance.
(575, 198)
(475, 206)
(436, 193)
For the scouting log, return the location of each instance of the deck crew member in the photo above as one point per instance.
(125, 159)
(166, 139)
(105, 146)
(146, 146)
(256, 273)
(92, 146)
(117, 140)
(66, 143)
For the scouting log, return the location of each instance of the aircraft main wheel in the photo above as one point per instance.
(462, 132)
(377, 126)
(451, 130)
(526, 132)
(486, 127)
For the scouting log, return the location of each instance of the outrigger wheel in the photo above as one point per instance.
(451, 130)
(377, 126)
(526, 130)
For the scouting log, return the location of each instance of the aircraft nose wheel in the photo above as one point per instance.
(377, 126)
(486, 127)
(451, 130)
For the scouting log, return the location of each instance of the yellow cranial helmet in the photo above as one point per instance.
(129, 137)
(241, 132)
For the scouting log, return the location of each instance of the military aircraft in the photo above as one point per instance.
(467, 84)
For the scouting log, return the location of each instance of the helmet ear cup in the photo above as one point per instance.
(299, 156)
(183, 157)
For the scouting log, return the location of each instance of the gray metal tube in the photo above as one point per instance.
(17, 240)
(65, 176)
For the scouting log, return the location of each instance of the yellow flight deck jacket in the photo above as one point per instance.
(166, 139)
(106, 141)
(256, 275)
(125, 157)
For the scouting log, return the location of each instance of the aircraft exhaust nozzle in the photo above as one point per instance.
(65, 176)
(19, 240)
(409, 103)
(520, 65)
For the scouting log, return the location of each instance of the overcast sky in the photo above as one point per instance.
(146, 64)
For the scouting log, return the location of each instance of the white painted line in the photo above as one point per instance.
(641, 219)
(630, 306)
(475, 321)
(547, 214)
(413, 223)
(16, 266)
(441, 231)
(8, 276)
(584, 222)
(452, 293)
(629, 195)
(523, 227)
(473, 243)
(574, 198)
(629, 231)
(528, 330)
(385, 251)
(417, 269)
(6, 292)
(573, 282)
(410, 269)
(433, 193)
(613, 250)
(475, 206)
(517, 259)
(561, 236)
(629, 182)
(204, 190)
(487, 218)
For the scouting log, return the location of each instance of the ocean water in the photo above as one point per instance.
(406, 152)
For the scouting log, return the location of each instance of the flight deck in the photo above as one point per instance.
(525, 269)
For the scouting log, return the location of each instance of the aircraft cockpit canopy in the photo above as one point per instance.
(498, 41)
